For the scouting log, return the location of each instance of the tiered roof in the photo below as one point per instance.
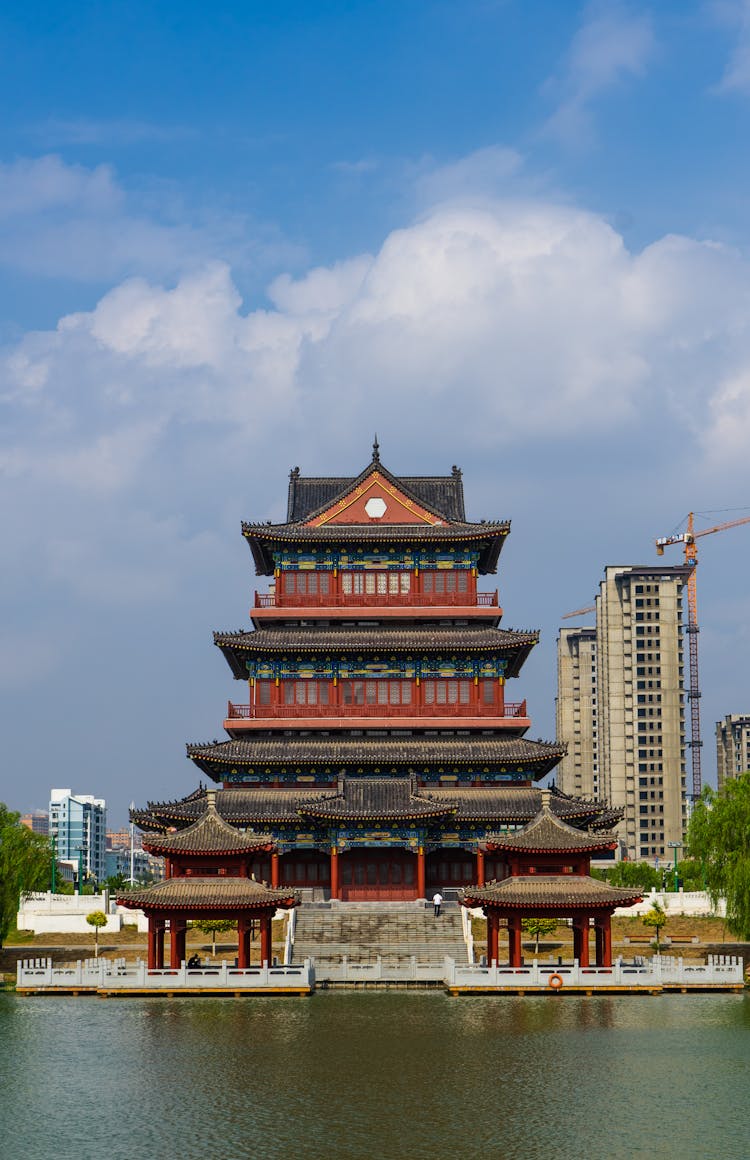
(376, 799)
(549, 891)
(244, 806)
(377, 749)
(384, 639)
(440, 496)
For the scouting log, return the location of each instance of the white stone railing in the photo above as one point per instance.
(112, 975)
(380, 972)
(659, 971)
(468, 934)
(291, 928)
(694, 903)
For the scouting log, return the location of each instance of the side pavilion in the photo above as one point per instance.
(548, 875)
(208, 875)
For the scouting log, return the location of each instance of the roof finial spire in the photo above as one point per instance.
(376, 450)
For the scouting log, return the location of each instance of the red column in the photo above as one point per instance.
(598, 941)
(265, 939)
(421, 873)
(480, 867)
(335, 893)
(514, 940)
(160, 945)
(275, 869)
(492, 937)
(606, 941)
(151, 944)
(177, 930)
(242, 948)
(583, 940)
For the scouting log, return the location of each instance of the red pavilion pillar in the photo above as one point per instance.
(480, 867)
(604, 941)
(493, 926)
(244, 934)
(421, 873)
(159, 948)
(514, 940)
(265, 939)
(151, 943)
(581, 940)
(335, 892)
(275, 869)
(177, 936)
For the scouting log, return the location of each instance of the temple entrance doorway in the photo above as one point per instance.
(450, 868)
(378, 875)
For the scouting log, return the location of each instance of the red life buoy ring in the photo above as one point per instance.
(555, 982)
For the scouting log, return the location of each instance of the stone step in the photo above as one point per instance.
(364, 932)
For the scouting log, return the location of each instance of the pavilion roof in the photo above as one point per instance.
(267, 806)
(549, 891)
(547, 833)
(377, 749)
(380, 640)
(443, 495)
(376, 798)
(263, 538)
(210, 834)
(214, 893)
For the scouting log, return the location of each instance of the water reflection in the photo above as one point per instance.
(375, 1075)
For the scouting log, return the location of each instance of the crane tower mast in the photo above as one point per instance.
(688, 538)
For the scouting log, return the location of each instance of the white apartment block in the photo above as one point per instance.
(78, 822)
(732, 746)
(626, 721)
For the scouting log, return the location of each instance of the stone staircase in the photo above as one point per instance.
(365, 931)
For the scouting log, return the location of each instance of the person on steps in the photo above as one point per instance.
(437, 901)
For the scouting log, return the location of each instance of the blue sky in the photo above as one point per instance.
(239, 237)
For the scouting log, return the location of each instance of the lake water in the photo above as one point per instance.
(384, 1074)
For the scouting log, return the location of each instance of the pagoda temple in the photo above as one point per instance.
(375, 744)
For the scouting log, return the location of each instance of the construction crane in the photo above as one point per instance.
(688, 538)
(578, 612)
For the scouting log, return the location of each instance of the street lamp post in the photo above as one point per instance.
(675, 846)
(132, 845)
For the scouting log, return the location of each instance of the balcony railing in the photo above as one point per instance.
(236, 712)
(381, 600)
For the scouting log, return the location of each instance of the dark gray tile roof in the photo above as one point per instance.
(553, 891)
(379, 798)
(385, 750)
(207, 894)
(262, 537)
(266, 805)
(547, 833)
(210, 834)
(237, 646)
(310, 495)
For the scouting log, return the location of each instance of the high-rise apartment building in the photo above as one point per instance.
(621, 705)
(732, 746)
(79, 825)
(578, 772)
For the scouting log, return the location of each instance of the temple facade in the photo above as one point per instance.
(376, 742)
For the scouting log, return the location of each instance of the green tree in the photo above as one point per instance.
(719, 838)
(214, 926)
(25, 865)
(537, 927)
(97, 919)
(637, 874)
(656, 918)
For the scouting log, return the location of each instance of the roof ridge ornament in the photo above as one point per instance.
(376, 450)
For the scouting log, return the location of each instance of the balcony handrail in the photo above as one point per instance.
(379, 600)
(512, 710)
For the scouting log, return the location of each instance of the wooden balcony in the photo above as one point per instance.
(512, 713)
(378, 600)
